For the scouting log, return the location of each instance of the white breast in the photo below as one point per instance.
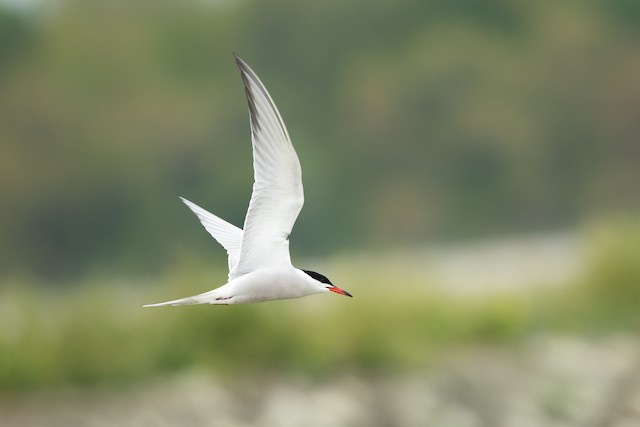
(269, 284)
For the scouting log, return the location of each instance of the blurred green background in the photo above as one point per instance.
(423, 128)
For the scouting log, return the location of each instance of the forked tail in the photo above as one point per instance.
(205, 298)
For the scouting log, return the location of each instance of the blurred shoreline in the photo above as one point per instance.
(480, 268)
(548, 381)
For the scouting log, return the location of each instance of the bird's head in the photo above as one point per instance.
(325, 284)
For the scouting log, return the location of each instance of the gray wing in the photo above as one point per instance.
(228, 235)
(277, 191)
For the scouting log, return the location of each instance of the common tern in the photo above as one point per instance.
(260, 266)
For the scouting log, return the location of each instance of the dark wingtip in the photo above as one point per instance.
(240, 62)
(245, 72)
(252, 83)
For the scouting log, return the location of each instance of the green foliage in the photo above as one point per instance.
(94, 336)
(414, 120)
(606, 297)
(611, 298)
(98, 333)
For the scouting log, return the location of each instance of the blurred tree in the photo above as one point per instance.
(15, 37)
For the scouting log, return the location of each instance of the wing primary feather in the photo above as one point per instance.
(277, 195)
(251, 81)
(228, 235)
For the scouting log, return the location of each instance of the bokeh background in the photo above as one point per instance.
(472, 173)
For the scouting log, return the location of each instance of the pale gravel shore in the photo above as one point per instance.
(480, 269)
(550, 381)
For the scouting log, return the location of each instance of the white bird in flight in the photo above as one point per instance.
(260, 266)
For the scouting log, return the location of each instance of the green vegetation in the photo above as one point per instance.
(608, 296)
(415, 120)
(98, 333)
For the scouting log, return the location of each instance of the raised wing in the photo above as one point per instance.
(228, 235)
(277, 191)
